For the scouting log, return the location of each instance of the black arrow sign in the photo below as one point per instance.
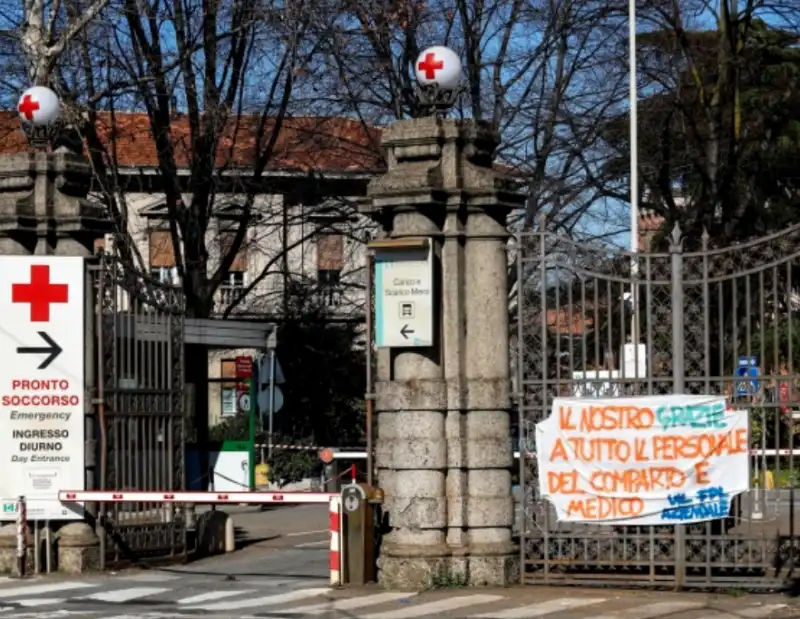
(405, 331)
(52, 350)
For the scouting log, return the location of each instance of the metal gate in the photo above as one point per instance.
(140, 412)
(697, 314)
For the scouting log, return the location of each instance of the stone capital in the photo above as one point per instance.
(437, 166)
(44, 205)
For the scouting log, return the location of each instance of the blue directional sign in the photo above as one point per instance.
(748, 368)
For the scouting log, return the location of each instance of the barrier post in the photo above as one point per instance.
(335, 555)
(22, 530)
(359, 561)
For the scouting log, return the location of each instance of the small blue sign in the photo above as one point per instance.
(748, 368)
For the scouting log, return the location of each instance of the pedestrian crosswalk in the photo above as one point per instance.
(171, 596)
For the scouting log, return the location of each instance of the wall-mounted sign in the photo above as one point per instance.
(42, 387)
(404, 298)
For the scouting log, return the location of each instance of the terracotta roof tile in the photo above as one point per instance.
(305, 144)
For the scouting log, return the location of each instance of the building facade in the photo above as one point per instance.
(304, 238)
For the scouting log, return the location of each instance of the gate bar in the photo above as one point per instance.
(203, 498)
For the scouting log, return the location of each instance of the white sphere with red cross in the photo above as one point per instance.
(438, 65)
(39, 106)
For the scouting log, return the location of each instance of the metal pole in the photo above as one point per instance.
(271, 399)
(22, 524)
(48, 549)
(368, 400)
(251, 425)
(37, 569)
(634, 165)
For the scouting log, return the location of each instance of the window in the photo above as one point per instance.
(228, 392)
(330, 253)
(234, 279)
(330, 262)
(329, 278)
(232, 284)
(225, 241)
(165, 275)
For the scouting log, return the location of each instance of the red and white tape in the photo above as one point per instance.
(202, 498)
(335, 554)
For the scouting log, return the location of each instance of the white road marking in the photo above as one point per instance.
(433, 608)
(270, 600)
(51, 614)
(150, 577)
(213, 595)
(53, 587)
(760, 611)
(304, 533)
(320, 544)
(541, 609)
(40, 602)
(650, 611)
(347, 603)
(118, 596)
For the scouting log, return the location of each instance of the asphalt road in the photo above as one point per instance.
(282, 573)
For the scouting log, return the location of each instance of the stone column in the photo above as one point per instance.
(489, 457)
(411, 454)
(443, 444)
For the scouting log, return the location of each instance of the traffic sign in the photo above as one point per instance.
(243, 402)
(748, 368)
(265, 371)
(42, 382)
(263, 400)
(404, 296)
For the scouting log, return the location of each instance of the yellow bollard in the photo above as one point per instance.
(262, 475)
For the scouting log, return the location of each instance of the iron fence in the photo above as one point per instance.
(140, 417)
(687, 319)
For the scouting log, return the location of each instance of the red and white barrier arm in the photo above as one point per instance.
(202, 498)
(335, 555)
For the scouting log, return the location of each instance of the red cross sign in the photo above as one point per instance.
(430, 65)
(40, 293)
(28, 106)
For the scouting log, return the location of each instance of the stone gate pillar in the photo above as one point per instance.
(443, 449)
(45, 209)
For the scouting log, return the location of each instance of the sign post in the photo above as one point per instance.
(41, 384)
(404, 292)
(246, 403)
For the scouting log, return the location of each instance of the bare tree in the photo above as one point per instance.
(543, 73)
(718, 116)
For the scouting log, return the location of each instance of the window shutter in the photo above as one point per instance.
(330, 252)
(161, 250)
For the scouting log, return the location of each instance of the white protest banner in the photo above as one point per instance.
(648, 460)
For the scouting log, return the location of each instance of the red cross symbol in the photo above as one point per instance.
(28, 106)
(40, 293)
(430, 65)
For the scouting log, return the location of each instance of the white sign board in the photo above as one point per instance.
(404, 297)
(650, 460)
(634, 361)
(41, 384)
